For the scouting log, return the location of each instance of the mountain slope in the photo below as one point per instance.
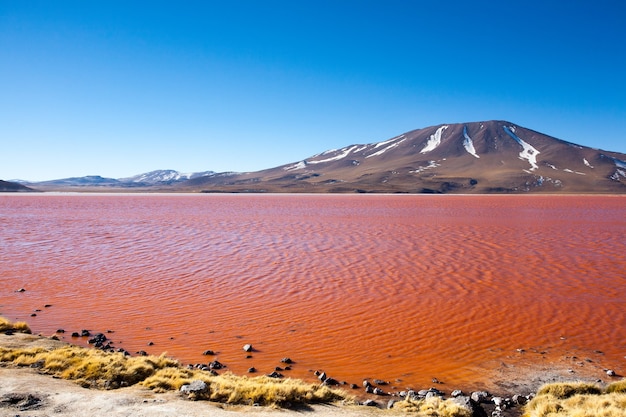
(479, 157)
(12, 187)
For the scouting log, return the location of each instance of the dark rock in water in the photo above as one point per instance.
(75, 334)
(286, 360)
(278, 368)
(369, 389)
(287, 368)
(252, 370)
(60, 331)
(456, 393)
(99, 338)
(150, 343)
(378, 391)
(366, 383)
(380, 382)
(33, 315)
(142, 353)
(208, 352)
(610, 372)
(322, 376)
(47, 305)
(275, 375)
(216, 365)
(247, 347)
(354, 386)
(85, 333)
(21, 290)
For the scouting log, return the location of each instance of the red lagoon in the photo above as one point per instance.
(394, 287)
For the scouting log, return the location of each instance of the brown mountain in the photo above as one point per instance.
(478, 157)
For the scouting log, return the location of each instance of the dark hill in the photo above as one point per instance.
(13, 187)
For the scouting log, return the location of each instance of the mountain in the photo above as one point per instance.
(477, 157)
(12, 187)
(164, 176)
(141, 182)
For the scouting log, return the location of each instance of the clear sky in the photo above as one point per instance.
(118, 88)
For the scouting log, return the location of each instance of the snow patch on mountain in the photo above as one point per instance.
(379, 144)
(296, 166)
(431, 164)
(434, 140)
(619, 163)
(382, 151)
(573, 172)
(468, 144)
(528, 152)
(587, 163)
(344, 152)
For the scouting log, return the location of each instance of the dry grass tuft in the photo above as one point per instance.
(578, 400)
(98, 369)
(89, 367)
(18, 327)
(433, 407)
(264, 390)
(568, 389)
(618, 387)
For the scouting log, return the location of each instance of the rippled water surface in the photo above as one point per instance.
(389, 287)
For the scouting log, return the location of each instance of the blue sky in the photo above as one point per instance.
(117, 88)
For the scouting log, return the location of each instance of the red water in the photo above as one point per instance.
(361, 286)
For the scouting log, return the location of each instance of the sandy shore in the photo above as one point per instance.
(27, 393)
(41, 395)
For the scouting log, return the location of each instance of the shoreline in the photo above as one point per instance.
(48, 393)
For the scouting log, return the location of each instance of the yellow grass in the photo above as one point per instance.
(578, 400)
(568, 389)
(98, 369)
(19, 327)
(617, 387)
(432, 407)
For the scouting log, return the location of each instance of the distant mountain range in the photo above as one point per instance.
(477, 157)
(155, 179)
